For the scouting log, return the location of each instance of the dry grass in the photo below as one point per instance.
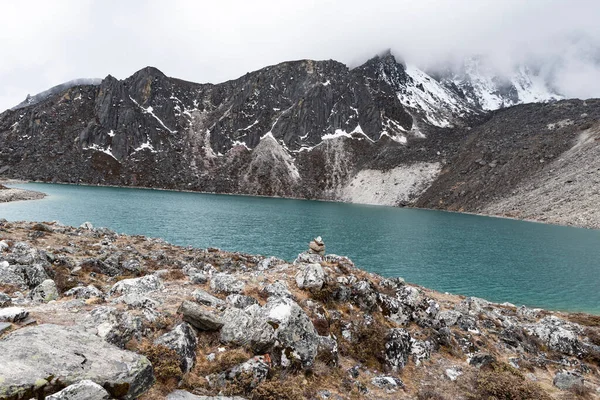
(501, 381)
(174, 275)
(222, 362)
(584, 319)
(8, 289)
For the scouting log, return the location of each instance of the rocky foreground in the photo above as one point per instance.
(86, 313)
(14, 194)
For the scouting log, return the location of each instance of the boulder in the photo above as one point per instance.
(453, 373)
(449, 317)
(247, 328)
(225, 283)
(268, 262)
(240, 301)
(207, 299)
(136, 300)
(297, 339)
(183, 340)
(308, 258)
(479, 360)
(84, 292)
(83, 390)
(37, 359)
(5, 300)
(566, 380)
(278, 289)
(397, 348)
(87, 226)
(557, 334)
(98, 266)
(44, 292)
(311, 276)
(114, 326)
(143, 285)
(420, 350)
(200, 317)
(13, 314)
(4, 326)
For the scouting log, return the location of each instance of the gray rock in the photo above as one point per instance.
(183, 340)
(84, 292)
(558, 334)
(278, 289)
(113, 325)
(225, 283)
(472, 306)
(308, 258)
(247, 328)
(296, 336)
(13, 314)
(5, 300)
(83, 390)
(479, 360)
(268, 262)
(3, 246)
(420, 350)
(98, 266)
(317, 246)
(409, 296)
(449, 317)
(203, 297)
(143, 285)
(311, 276)
(389, 383)
(528, 313)
(453, 373)
(198, 278)
(328, 350)
(565, 380)
(257, 367)
(34, 354)
(397, 348)
(200, 317)
(132, 266)
(87, 226)
(240, 301)
(44, 292)
(136, 300)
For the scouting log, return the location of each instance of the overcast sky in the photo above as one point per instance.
(44, 43)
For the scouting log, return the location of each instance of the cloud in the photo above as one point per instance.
(46, 43)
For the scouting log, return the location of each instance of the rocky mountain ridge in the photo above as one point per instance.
(86, 313)
(381, 133)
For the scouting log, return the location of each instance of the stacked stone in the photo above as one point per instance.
(317, 246)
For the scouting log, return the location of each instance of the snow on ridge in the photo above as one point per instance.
(145, 145)
(342, 133)
(111, 133)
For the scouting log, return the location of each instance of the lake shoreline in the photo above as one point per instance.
(479, 214)
(8, 194)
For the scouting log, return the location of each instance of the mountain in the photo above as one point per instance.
(31, 100)
(484, 87)
(384, 132)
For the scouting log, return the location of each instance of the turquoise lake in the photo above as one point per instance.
(553, 267)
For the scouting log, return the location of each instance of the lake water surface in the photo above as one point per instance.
(553, 267)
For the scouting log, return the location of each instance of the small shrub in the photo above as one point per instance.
(584, 319)
(64, 280)
(222, 362)
(593, 335)
(368, 345)
(165, 362)
(501, 381)
(430, 393)
(175, 275)
(275, 390)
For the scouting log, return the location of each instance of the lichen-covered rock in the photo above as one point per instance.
(479, 360)
(44, 292)
(36, 358)
(13, 314)
(472, 306)
(397, 348)
(143, 285)
(449, 317)
(226, 283)
(113, 325)
(247, 328)
(5, 300)
(311, 276)
(200, 317)
(257, 368)
(308, 258)
(278, 289)
(84, 292)
(296, 336)
(420, 350)
(207, 299)
(389, 383)
(557, 334)
(183, 340)
(567, 380)
(240, 301)
(83, 390)
(136, 300)
(268, 262)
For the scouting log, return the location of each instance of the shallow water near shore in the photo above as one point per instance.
(548, 266)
